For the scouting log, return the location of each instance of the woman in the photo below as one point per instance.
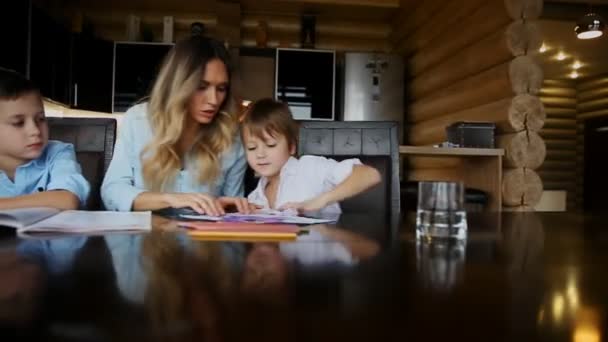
(181, 148)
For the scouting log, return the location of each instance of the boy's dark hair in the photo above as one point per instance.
(14, 85)
(270, 116)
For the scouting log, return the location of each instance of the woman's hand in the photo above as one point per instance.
(201, 203)
(241, 204)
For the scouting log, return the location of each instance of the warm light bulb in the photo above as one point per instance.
(560, 56)
(576, 65)
(574, 74)
(543, 48)
(590, 34)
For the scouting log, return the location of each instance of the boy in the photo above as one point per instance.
(307, 184)
(34, 172)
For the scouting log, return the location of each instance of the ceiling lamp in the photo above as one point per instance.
(590, 26)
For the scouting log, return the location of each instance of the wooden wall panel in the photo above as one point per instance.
(478, 67)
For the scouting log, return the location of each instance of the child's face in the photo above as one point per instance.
(267, 156)
(23, 128)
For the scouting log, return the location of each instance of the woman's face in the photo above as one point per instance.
(211, 92)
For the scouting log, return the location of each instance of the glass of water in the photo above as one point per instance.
(441, 213)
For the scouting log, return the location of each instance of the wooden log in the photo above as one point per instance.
(598, 82)
(488, 86)
(489, 18)
(488, 52)
(524, 9)
(523, 37)
(593, 105)
(323, 42)
(526, 112)
(560, 112)
(115, 18)
(432, 163)
(324, 26)
(522, 149)
(471, 60)
(406, 22)
(593, 114)
(444, 19)
(229, 22)
(558, 133)
(510, 115)
(557, 165)
(557, 92)
(521, 187)
(560, 155)
(592, 94)
(526, 75)
(559, 123)
(564, 102)
(557, 175)
(560, 144)
(558, 185)
(559, 83)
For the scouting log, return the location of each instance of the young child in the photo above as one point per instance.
(34, 172)
(307, 184)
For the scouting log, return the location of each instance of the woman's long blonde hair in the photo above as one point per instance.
(188, 285)
(178, 79)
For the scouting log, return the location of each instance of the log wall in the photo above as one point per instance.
(474, 64)
(280, 29)
(559, 169)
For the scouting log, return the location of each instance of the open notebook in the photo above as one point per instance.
(49, 220)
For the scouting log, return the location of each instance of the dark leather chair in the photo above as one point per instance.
(93, 140)
(377, 198)
(375, 143)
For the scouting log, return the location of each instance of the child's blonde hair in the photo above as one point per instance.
(271, 117)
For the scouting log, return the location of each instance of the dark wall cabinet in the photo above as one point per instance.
(14, 28)
(72, 68)
(91, 73)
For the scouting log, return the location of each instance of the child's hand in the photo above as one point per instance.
(241, 204)
(314, 204)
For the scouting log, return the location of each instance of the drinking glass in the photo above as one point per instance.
(441, 213)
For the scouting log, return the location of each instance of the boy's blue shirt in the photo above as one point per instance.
(55, 169)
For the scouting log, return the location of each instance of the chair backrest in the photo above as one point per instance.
(376, 143)
(93, 140)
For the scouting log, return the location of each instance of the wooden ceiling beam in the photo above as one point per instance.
(364, 3)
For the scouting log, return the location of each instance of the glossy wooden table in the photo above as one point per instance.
(529, 277)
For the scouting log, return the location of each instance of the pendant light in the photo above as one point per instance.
(590, 26)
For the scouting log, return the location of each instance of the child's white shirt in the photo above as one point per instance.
(305, 178)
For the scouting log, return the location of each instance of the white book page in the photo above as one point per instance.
(77, 221)
(261, 218)
(19, 218)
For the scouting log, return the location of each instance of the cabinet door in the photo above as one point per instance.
(50, 56)
(13, 33)
(91, 81)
